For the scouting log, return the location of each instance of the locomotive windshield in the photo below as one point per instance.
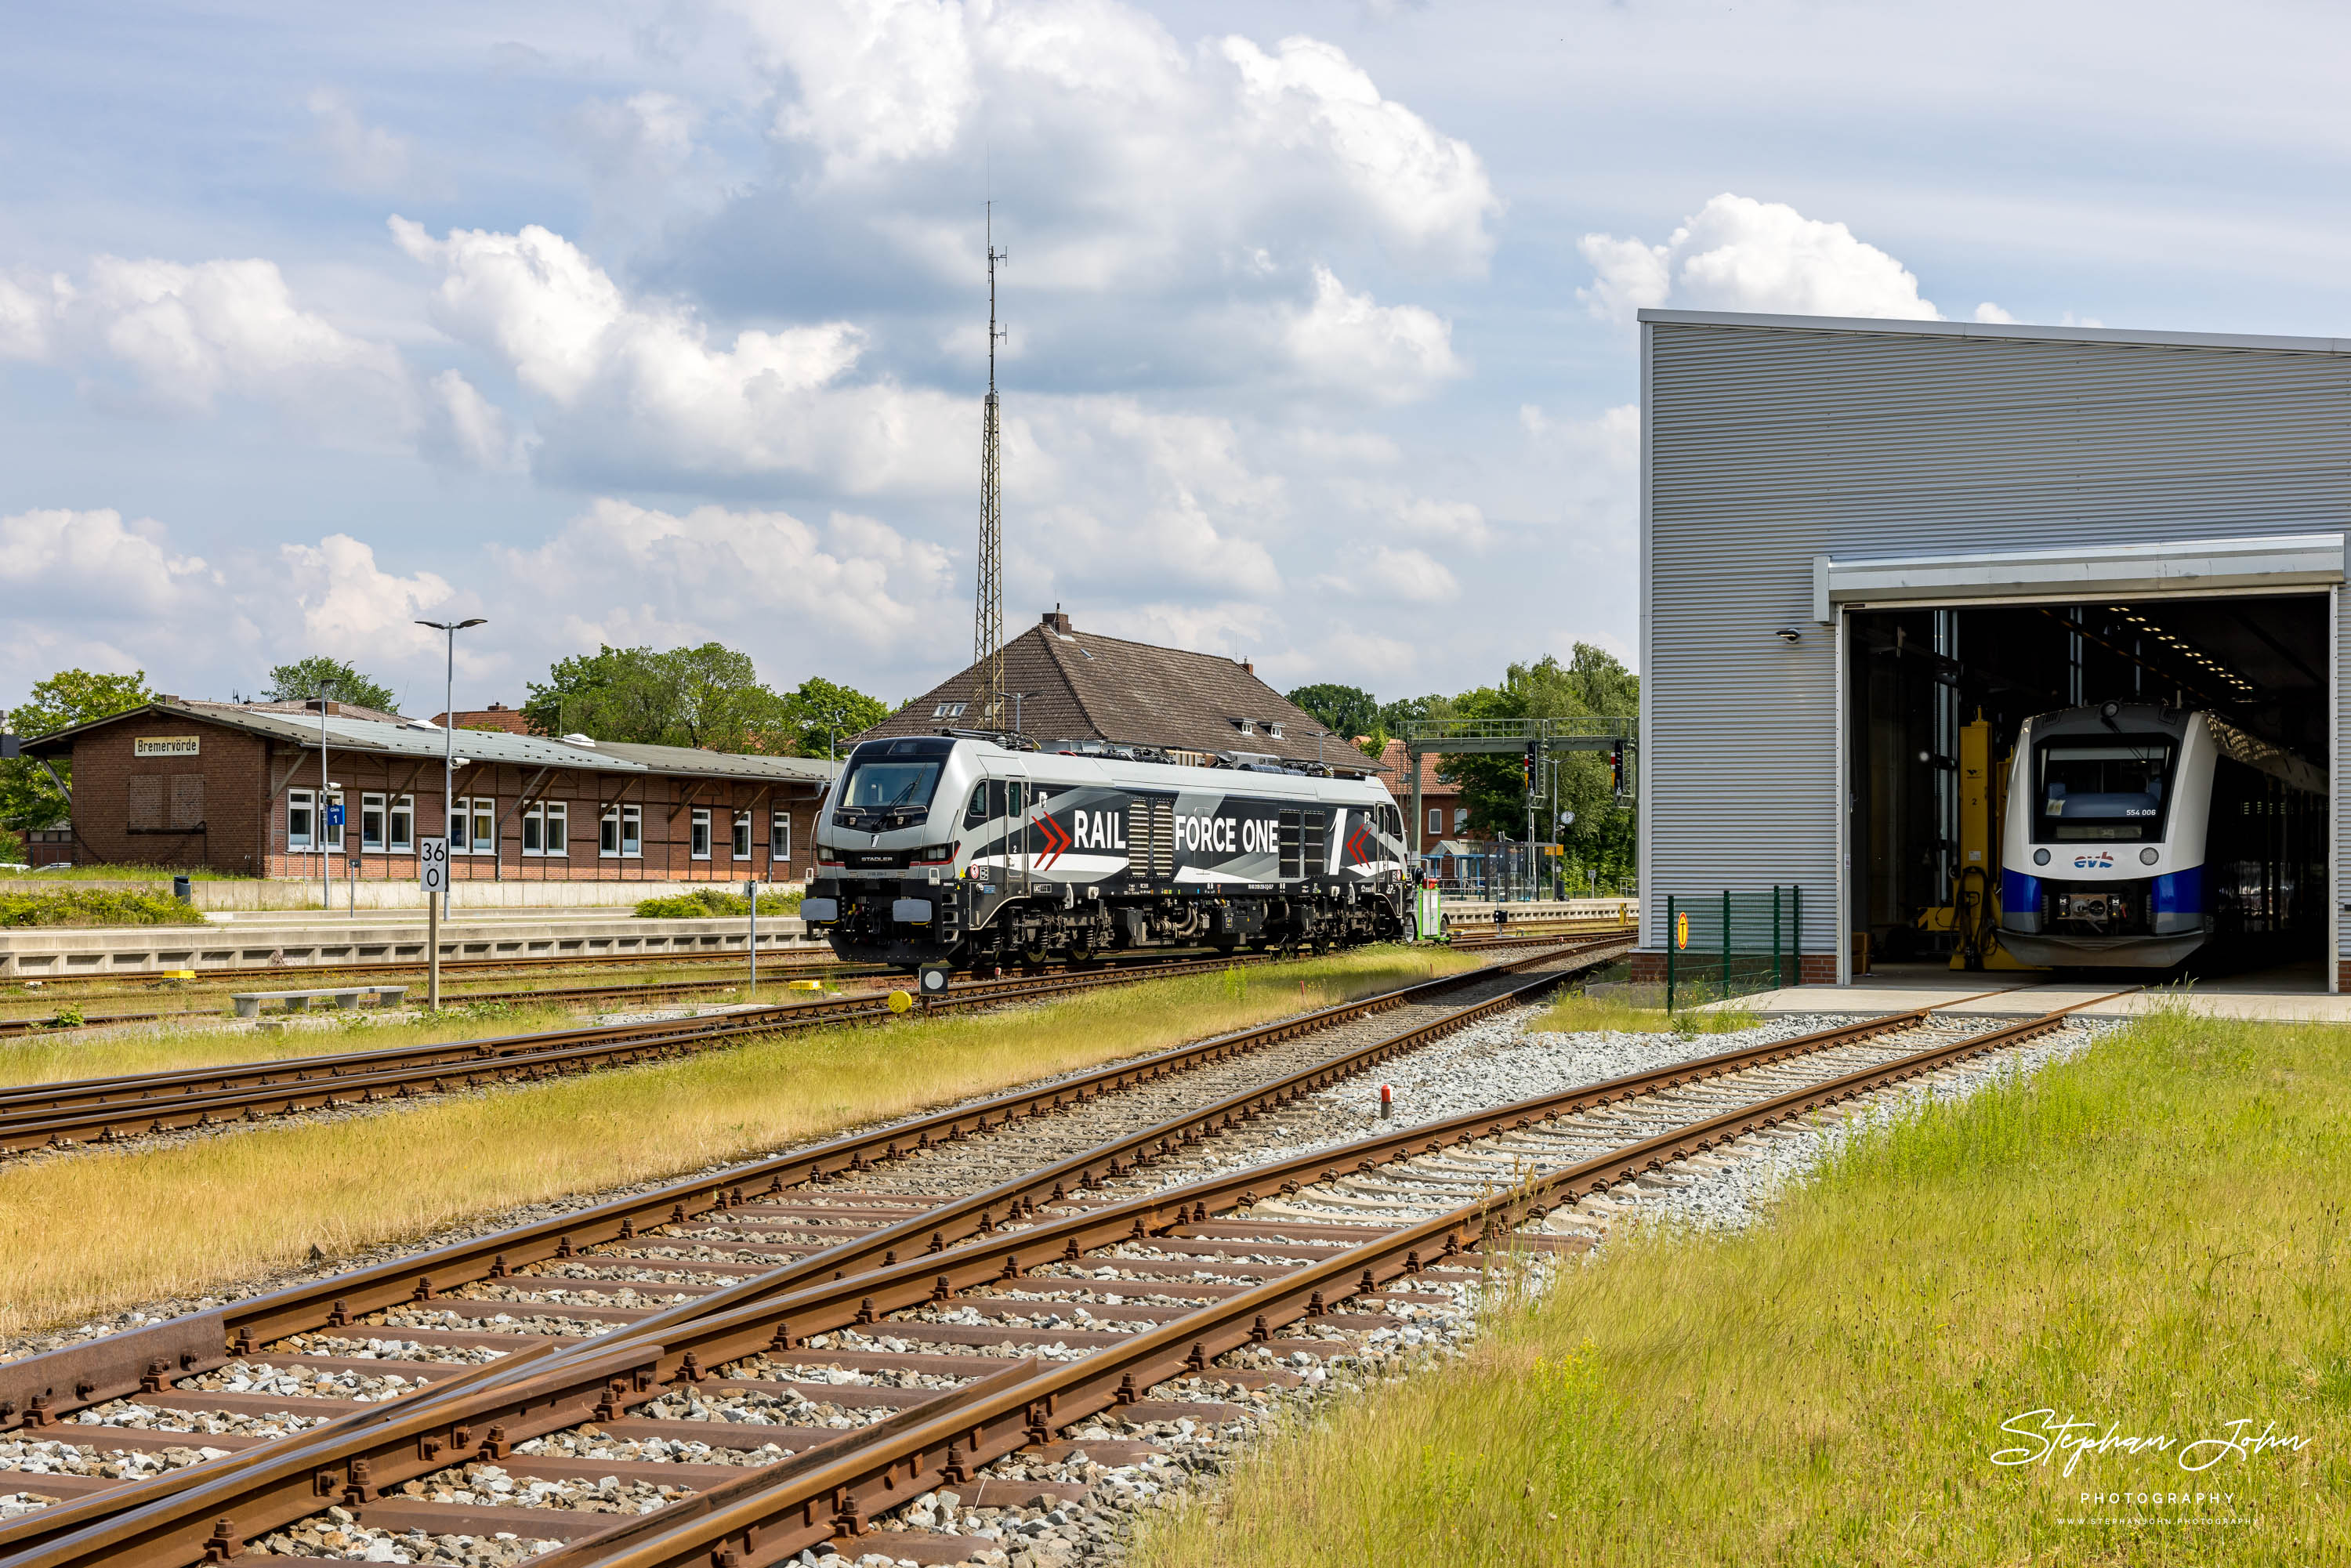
(2105, 792)
(895, 785)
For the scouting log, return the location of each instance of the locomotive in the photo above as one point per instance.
(2135, 834)
(957, 850)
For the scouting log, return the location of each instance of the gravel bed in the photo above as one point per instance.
(298, 1382)
(335, 1534)
(211, 1423)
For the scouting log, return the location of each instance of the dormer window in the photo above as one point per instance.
(1246, 725)
(1274, 730)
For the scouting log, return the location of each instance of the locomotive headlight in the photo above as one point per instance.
(2040, 857)
(2148, 856)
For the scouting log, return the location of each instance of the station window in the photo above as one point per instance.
(623, 835)
(779, 837)
(1461, 818)
(1436, 818)
(299, 805)
(372, 824)
(399, 824)
(742, 835)
(546, 828)
(699, 845)
(473, 825)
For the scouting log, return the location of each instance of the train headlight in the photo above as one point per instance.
(2040, 857)
(2148, 856)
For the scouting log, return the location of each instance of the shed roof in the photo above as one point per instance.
(1080, 685)
(419, 739)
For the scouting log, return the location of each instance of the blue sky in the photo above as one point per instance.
(664, 323)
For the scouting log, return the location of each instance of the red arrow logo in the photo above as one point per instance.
(1057, 839)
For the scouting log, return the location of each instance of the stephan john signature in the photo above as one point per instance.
(2046, 1436)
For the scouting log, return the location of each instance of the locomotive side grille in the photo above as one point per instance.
(1314, 853)
(1151, 837)
(1287, 840)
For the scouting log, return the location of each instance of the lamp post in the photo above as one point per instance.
(449, 734)
(319, 818)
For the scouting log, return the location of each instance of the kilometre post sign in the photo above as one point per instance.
(432, 864)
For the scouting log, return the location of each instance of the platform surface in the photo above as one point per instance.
(2292, 994)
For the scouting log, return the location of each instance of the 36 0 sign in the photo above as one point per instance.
(432, 864)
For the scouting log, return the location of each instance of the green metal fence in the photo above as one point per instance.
(1725, 945)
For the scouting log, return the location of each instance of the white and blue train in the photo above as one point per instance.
(955, 849)
(2136, 834)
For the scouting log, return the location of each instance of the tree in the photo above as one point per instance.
(1345, 711)
(708, 696)
(299, 683)
(28, 798)
(1592, 682)
(819, 713)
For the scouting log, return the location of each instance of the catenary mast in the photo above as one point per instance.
(987, 617)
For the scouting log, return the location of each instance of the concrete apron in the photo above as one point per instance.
(61, 951)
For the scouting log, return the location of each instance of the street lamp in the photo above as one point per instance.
(319, 817)
(449, 735)
(829, 721)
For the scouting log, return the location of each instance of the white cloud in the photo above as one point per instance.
(1382, 571)
(1388, 353)
(167, 336)
(640, 384)
(624, 573)
(351, 607)
(1166, 160)
(367, 157)
(1739, 253)
(1993, 314)
(463, 426)
(90, 591)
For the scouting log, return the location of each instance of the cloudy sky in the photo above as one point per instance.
(666, 323)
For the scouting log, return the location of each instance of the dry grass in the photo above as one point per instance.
(2151, 1236)
(264, 1197)
(1575, 1012)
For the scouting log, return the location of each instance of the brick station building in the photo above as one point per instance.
(234, 787)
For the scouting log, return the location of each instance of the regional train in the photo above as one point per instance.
(2136, 834)
(953, 850)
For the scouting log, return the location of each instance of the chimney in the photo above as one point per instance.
(1056, 622)
(1247, 668)
(494, 707)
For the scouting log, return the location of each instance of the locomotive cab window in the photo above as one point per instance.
(889, 786)
(2105, 792)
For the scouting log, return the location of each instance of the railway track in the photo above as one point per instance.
(637, 990)
(78, 988)
(110, 1110)
(793, 1364)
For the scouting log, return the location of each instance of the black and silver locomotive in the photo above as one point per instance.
(946, 849)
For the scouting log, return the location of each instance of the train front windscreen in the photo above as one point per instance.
(2101, 792)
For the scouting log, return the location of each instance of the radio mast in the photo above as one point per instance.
(987, 618)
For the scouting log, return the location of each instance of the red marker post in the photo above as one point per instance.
(1387, 1101)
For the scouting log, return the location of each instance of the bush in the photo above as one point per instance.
(711, 903)
(94, 906)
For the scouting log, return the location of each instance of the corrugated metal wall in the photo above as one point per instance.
(1766, 444)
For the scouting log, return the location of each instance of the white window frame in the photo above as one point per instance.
(741, 842)
(779, 838)
(306, 802)
(627, 824)
(399, 824)
(336, 837)
(550, 823)
(1437, 821)
(372, 807)
(471, 810)
(697, 844)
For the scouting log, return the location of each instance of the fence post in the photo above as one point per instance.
(1725, 944)
(1672, 930)
(1776, 981)
(1796, 939)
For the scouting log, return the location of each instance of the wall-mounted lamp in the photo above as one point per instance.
(1789, 634)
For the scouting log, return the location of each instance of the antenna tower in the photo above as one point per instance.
(987, 618)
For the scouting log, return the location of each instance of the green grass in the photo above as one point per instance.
(94, 906)
(1576, 1011)
(124, 873)
(268, 1194)
(708, 902)
(2152, 1236)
